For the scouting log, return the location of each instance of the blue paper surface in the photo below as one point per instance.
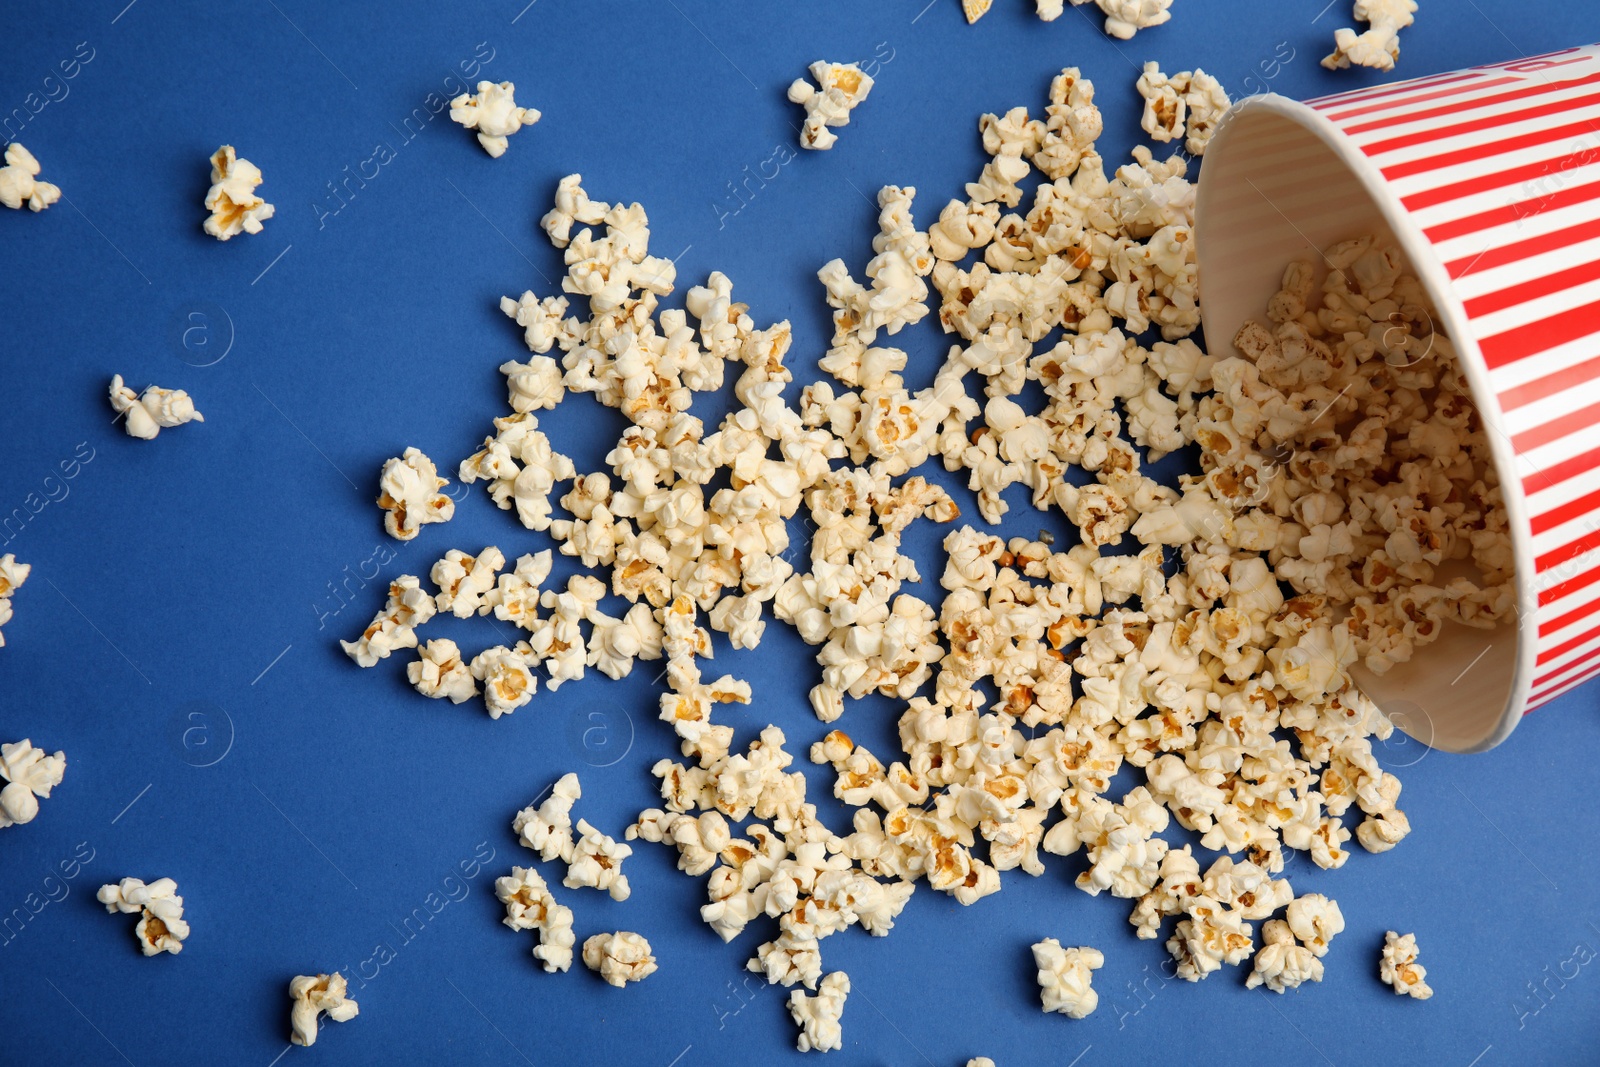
(178, 636)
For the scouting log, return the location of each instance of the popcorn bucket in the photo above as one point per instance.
(1489, 179)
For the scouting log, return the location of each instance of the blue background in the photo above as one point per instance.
(178, 636)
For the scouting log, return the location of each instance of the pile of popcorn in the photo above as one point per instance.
(1343, 476)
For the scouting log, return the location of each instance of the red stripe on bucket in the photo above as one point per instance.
(1575, 584)
(1554, 688)
(1458, 84)
(1533, 289)
(1528, 172)
(1556, 625)
(1487, 101)
(1500, 216)
(1550, 385)
(1548, 654)
(1572, 509)
(1524, 341)
(1567, 469)
(1556, 429)
(1568, 552)
(1499, 256)
(1488, 122)
(1488, 149)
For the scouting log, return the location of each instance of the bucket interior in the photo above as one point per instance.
(1273, 190)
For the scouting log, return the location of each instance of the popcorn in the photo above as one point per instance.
(20, 184)
(1165, 110)
(1399, 967)
(395, 626)
(438, 672)
(323, 994)
(818, 1017)
(408, 490)
(12, 575)
(507, 677)
(235, 208)
(1379, 46)
(464, 580)
(840, 88)
(1208, 102)
(1211, 935)
(975, 9)
(1281, 963)
(494, 113)
(161, 927)
(530, 906)
(619, 958)
(1064, 977)
(30, 774)
(596, 863)
(520, 468)
(1124, 18)
(789, 960)
(153, 410)
(1314, 919)
(617, 642)
(547, 829)
(1348, 482)
(1189, 103)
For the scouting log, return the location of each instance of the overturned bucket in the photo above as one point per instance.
(1489, 180)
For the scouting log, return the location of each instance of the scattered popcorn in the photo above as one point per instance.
(975, 9)
(547, 829)
(818, 1017)
(438, 672)
(395, 626)
(840, 87)
(493, 113)
(12, 575)
(596, 863)
(235, 208)
(1314, 919)
(1339, 458)
(619, 958)
(520, 468)
(155, 409)
(1379, 46)
(530, 906)
(1399, 966)
(20, 184)
(464, 580)
(1064, 977)
(323, 994)
(507, 677)
(161, 927)
(29, 773)
(1187, 104)
(1281, 963)
(1124, 18)
(409, 493)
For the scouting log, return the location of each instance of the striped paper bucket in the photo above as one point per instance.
(1489, 179)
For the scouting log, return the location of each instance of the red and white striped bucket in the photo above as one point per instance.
(1489, 178)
